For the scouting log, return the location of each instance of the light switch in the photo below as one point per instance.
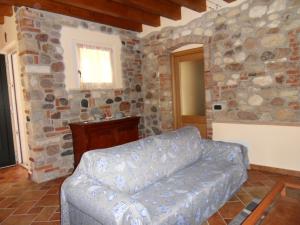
(218, 107)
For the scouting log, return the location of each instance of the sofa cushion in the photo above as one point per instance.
(133, 166)
(192, 194)
(179, 148)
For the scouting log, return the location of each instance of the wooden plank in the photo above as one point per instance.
(6, 10)
(294, 185)
(181, 120)
(285, 211)
(159, 7)
(76, 12)
(194, 119)
(197, 5)
(264, 204)
(115, 9)
(275, 170)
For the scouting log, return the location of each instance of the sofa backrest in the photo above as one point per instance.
(133, 166)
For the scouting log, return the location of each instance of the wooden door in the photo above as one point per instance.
(189, 89)
(7, 154)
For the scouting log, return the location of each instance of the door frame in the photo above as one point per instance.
(186, 55)
(8, 133)
(16, 103)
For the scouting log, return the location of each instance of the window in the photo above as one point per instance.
(92, 59)
(95, 67)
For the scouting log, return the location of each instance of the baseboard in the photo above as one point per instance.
(269, 169)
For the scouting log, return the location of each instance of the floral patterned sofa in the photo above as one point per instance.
(173, 178)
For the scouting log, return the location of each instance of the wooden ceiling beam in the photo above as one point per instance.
(115, 9)
(77, 12)
(159, 7)
(197, 5)
(6, 10)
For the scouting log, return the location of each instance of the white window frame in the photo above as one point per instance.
(91, 86)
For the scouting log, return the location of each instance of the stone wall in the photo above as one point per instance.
(252, 67)
(49, 107)
(252, 64)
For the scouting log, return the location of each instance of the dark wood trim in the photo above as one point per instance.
(5, 10)
(197, 5)
(275, 170)
(77, 12)
(163, 8)
(126, 14)
(189, 52)
(279, 188)
(175, 58)
(102, 134)
(264, 204)
(115, 9)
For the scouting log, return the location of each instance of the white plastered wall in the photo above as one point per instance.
(269, 145)
(71, 36)
(9, 28)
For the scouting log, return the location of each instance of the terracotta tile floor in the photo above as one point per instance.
(23, 202)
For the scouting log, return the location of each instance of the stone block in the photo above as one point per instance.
(263, 81)
(67, 152)
(67, 145)
(255, 100)
(277, 5)
(52, 149)
(58, 67)
(257, 11)
(243, 115)
(273, 40)
(38, 69)
(285, 115)
(42, 37)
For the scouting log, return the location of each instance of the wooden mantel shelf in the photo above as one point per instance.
(105, 121)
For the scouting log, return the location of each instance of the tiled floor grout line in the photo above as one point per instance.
(241, 200)
(34, 204)
(49, 217)
(47, 190)
(7, 217)
(222, 218)
(257, 184)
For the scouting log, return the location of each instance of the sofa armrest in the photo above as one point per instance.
(100, 202)
(218, 150)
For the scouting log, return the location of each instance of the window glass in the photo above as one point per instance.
(95, 66)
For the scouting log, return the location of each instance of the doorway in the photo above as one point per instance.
(15, 104)
(7, 153)
(189, 89)
(17, 108)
